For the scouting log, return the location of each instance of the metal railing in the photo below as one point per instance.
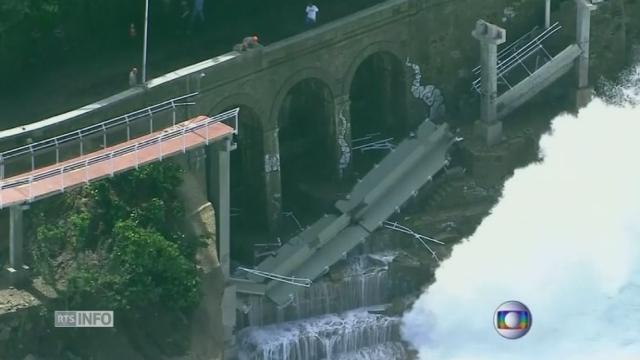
(78, 135)
(169, 134)
(421, 238)
(513, 55)
(524, 39)
(292, 280)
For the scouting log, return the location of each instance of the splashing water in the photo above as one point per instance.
(323, 337)
(386, 351)
(564, 240)
(364, 282)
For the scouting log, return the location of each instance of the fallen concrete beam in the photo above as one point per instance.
(380, 193)
(543, 77)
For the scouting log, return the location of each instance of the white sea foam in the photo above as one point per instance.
(564, 239)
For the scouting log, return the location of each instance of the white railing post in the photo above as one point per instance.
(86, 171)
(126, 118)
(184, 140)
(173, 112)
(1, 197)
(62, 179)
(235, 121)
(206, 123)
(150, 122)
(104, 137)
(111, 157)
(30, 188)
(81, 144)
(160, 144)
(136, 152)
(57, 150)
(33, 160)
(1, 167)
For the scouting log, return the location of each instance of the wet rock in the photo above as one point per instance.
(408, 274)
(203, 221)
(5, 332)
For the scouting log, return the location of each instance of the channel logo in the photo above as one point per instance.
(512, 320)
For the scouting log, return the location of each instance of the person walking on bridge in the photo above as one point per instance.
(312, 15)
(198, 11)
(133, 77)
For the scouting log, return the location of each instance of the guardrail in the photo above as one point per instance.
(165, 135)
(126, 119)
(515, 58)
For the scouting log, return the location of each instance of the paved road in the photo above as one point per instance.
(55, 89)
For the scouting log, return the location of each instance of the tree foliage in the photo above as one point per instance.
(123, 236)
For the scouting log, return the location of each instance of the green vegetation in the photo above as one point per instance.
(117, 244)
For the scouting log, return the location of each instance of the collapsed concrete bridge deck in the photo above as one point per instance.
(373, 200)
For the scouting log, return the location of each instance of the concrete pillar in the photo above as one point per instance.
(583, 21)
(16, 237)
(547, 13)
(490, 36)
(583, 25)
(17, 269)
(219, 156)
(343, 134)
(273, 185)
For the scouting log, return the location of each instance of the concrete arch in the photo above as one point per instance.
(393, 48)
(237, 99)
(318, 73)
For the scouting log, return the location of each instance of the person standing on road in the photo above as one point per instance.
(312, 14)
(198, 11)
(250, 42)
(133, 77)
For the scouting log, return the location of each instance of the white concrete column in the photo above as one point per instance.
(490, 36)
(220, 157)
(273, 185)
(547, 13)
(221, 177)
(583, 25)
(16, 237)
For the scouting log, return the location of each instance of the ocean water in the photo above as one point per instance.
(564, 239)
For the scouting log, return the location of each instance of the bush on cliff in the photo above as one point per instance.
(117, 244)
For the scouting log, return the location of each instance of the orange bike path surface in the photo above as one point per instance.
(84, 174)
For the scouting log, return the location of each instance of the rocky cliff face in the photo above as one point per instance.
(206, 321)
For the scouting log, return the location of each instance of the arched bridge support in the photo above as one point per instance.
(272, 179)
(219, 157)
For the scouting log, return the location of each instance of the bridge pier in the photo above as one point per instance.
(219, 156)
(490, 36)
(17, 269)
(583, 25)
(273, 185)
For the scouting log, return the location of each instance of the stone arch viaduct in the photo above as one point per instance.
(328, 69)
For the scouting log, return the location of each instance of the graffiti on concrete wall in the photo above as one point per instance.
(428, 94)
(342, 130)
(271, 163)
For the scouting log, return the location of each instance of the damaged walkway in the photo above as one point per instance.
(373, 200)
